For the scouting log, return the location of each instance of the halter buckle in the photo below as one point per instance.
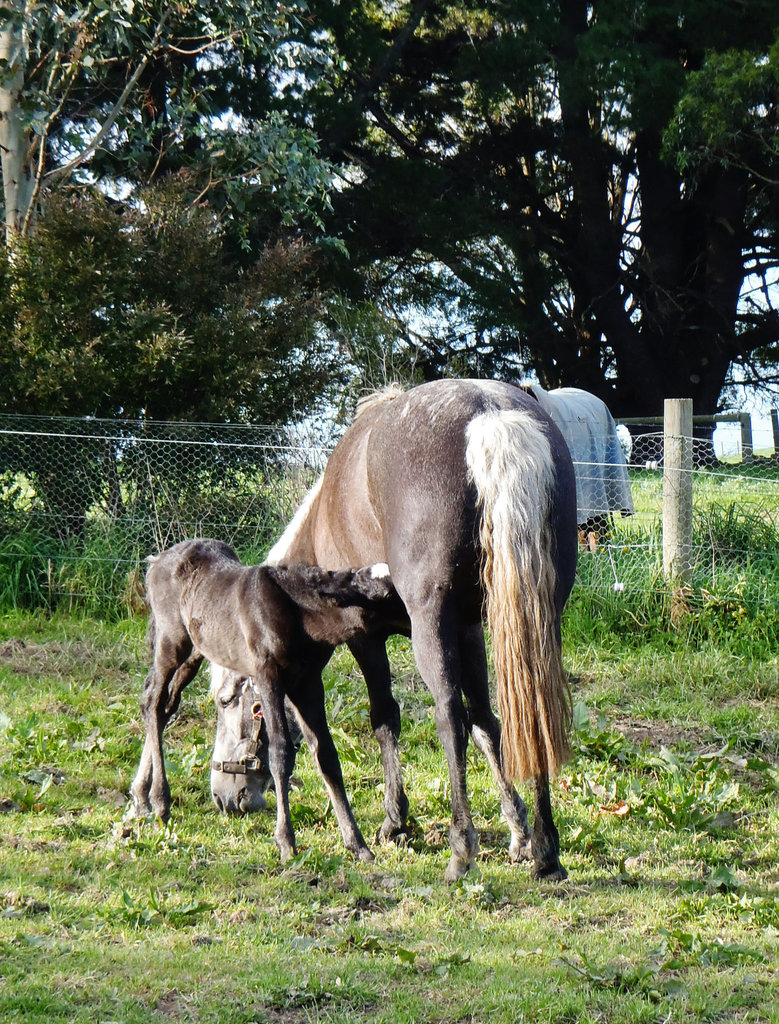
(243, 767)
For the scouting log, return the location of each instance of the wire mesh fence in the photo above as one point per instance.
(731, 565)
(83, 501)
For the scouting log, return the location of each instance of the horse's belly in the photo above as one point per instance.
(220, 642)
(349, 542)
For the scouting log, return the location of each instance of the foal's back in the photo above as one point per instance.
(175, 575)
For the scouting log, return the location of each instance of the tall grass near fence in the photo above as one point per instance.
(732, 597)
(82, 503)
(620, 594)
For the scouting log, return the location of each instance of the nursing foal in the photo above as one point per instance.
(278, 626)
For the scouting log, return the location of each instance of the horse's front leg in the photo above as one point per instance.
(370, 653)
(485, 731)
(141, 784)
(308, 698)
(150, 775)
(545, 842)
(281, 753)
(436, 650)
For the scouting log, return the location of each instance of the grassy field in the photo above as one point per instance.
(668, 816)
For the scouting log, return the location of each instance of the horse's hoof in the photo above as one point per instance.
(552, 873)
(456, 870)
(286, 850)
(520, 851)
(139, 800)
(391, 832)
(365, 855)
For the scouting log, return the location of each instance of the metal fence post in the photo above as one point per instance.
(677, 490)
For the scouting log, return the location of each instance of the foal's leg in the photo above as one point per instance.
(436, 650)
(175, 665)
(486, 735)
(281, 755)
(370, 653)
(308, 698)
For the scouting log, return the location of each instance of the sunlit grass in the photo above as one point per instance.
(668, 816)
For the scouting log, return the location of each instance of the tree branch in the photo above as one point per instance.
(80, 158)
(367, 87)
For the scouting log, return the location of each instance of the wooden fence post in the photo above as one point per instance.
(746, 436)
(677, 490)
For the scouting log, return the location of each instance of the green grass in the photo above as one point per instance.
(668, 816)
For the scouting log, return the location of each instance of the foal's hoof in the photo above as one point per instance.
(140, 808)
(520, 851)
(286, 850)
(391, 832)
(365, 855)
(139, 801)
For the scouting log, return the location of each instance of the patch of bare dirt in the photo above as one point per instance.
(287, 1015)
(174, 1006)
(56, 657)
(660, 734)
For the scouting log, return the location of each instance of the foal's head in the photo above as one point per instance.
(239, 767)
(337, 606)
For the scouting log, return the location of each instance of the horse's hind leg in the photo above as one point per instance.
(436, 650)
(545, 841)
(370, 654)
(486, 735)
(175, 665)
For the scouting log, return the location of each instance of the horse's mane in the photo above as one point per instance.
(386, 394)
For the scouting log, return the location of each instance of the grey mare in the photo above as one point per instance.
(466, 489)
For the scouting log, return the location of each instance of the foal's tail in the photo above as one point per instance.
(510, 462)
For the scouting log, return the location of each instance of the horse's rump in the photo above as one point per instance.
(446, 480)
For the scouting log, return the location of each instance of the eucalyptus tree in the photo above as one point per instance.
(171, 278)
(125, 91)
(568, 186)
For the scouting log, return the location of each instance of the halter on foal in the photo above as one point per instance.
(277, 626)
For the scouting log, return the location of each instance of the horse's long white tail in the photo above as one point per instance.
(510, 462)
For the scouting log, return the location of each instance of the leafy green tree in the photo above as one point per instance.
(198, 299)
(147, 311)
(545, 184)
(126, 91)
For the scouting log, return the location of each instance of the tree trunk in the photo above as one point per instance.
(18, 179)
